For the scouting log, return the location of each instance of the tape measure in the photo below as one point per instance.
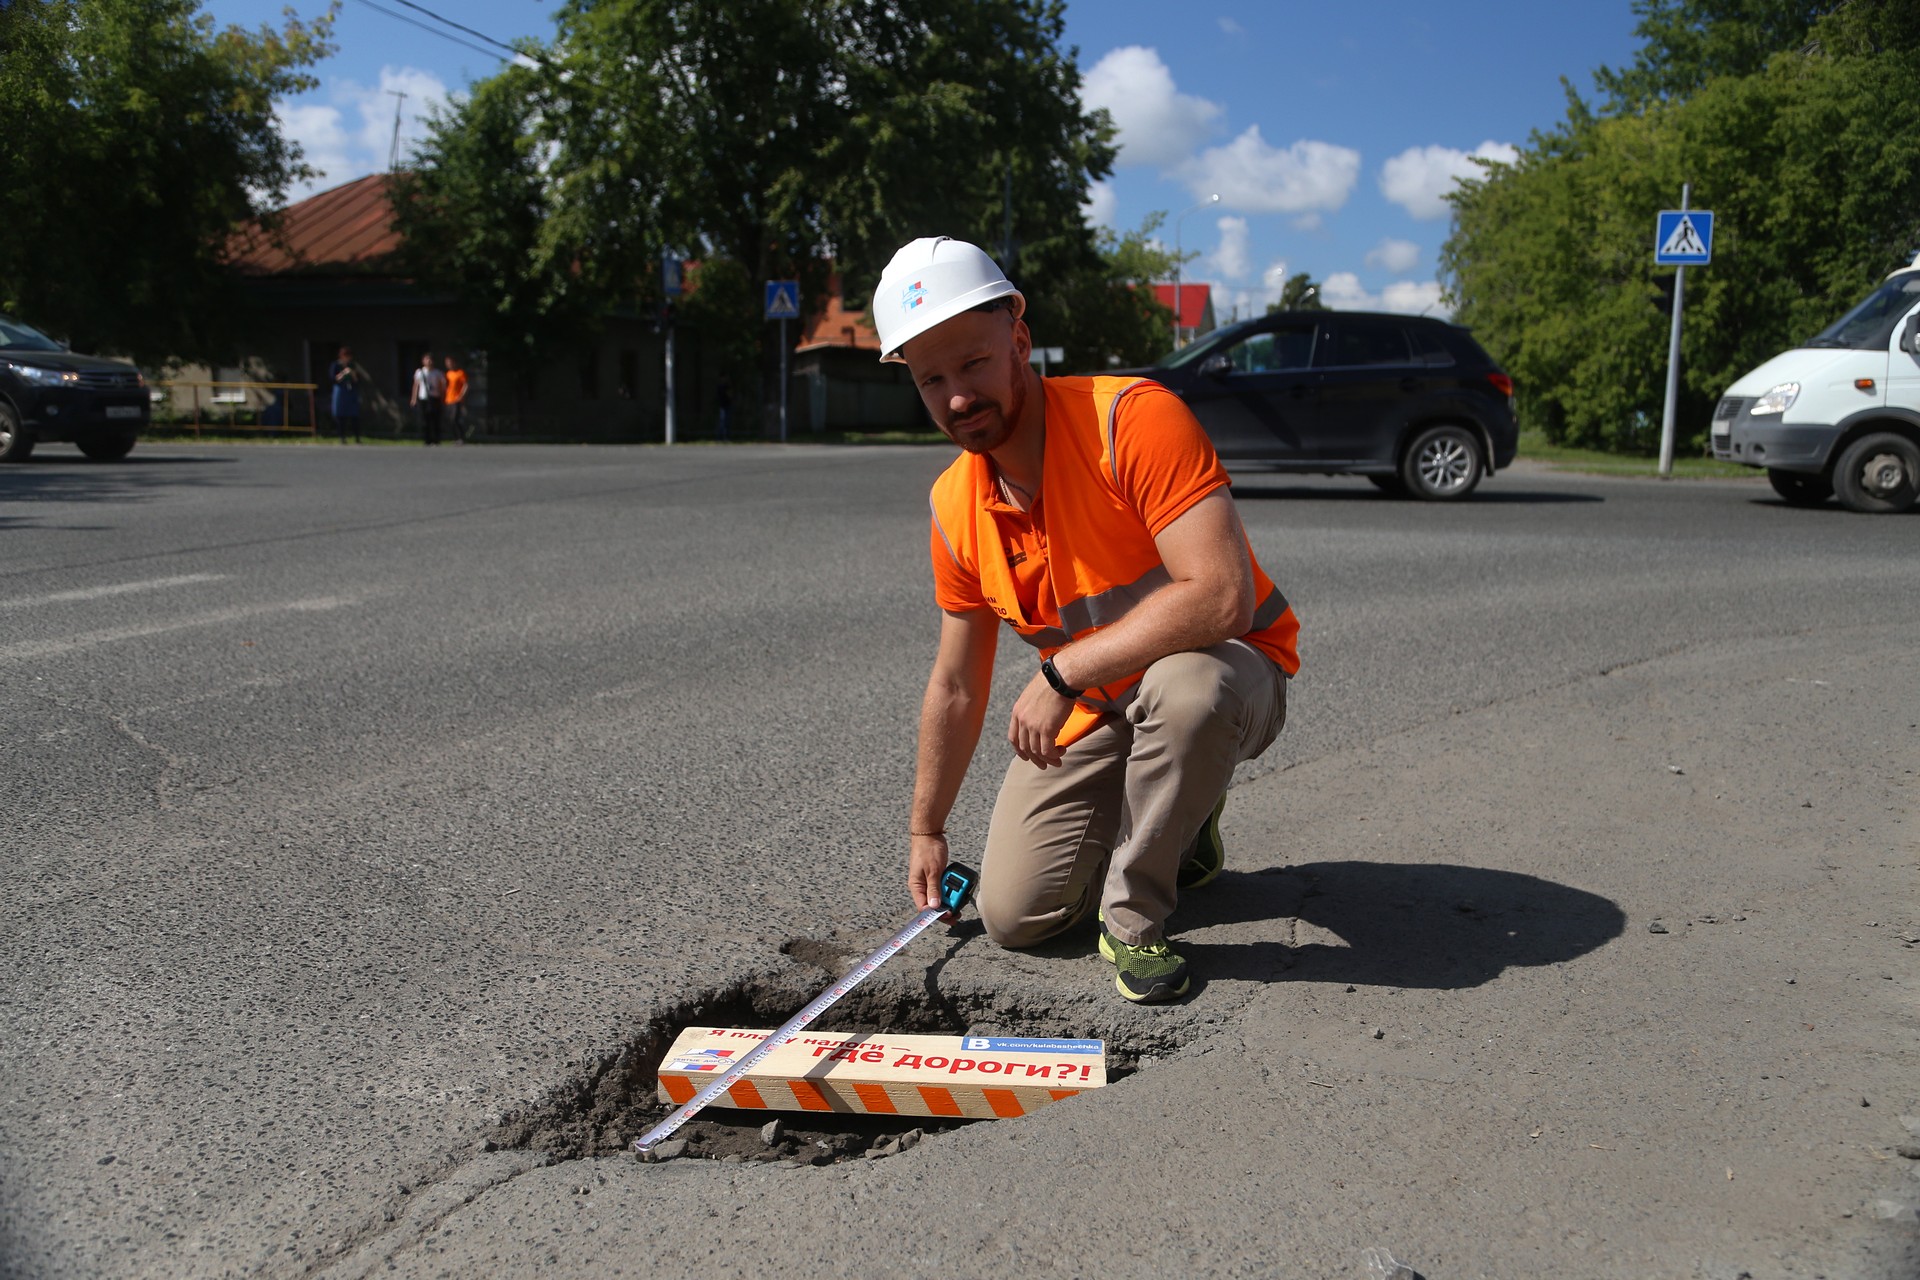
(956, 890)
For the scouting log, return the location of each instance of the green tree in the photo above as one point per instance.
(475, 212)
(1102, 312)
(1685, 43)
(790, 137)
(1301, 292)
(1815, 200)
(137, 135)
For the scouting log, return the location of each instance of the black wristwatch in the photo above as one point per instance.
(1060, 686)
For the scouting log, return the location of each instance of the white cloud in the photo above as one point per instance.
(1419, 178)
(348, 132)
(1305, 178)
(1101, 204)
(1158, 125)
(1343, 292)
(1231, 27)
(1231, 259)
(1397, 256)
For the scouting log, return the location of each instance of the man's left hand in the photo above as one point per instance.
(1034, 729)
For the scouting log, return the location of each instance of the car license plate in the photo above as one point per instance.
(123, 411)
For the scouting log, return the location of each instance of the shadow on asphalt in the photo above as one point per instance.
(1403, 925)
(1244, 491)
(132, 479)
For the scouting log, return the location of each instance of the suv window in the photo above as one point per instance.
(1351, 345)
(1427, 347)
(1289, 347)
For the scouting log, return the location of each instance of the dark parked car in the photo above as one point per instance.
(1412, 403)
(49, 393)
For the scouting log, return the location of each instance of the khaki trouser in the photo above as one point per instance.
(1111, 825)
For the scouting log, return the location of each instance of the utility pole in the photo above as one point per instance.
(393, 152)
(1177, 265)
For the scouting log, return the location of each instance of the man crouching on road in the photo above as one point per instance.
(1092, 515)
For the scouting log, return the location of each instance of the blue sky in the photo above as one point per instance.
(1330, 131)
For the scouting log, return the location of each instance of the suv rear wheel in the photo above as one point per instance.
(1878, 474)
(1442, 464)
(16, 442)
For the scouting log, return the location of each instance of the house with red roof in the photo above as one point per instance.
(1192, 305)
(329, 274)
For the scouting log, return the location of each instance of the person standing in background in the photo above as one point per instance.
(344, 378)
(457, 400)
(429, 397)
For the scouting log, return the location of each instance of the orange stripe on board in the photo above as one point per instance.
(808, 1095)
(939, 1101)
(1004, 1104)
(745, 1095)
(875, 1099)
(1058, 1094)
(679, 1088)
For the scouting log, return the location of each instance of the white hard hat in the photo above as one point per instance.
(930, 282)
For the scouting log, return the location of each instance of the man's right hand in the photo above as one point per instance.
(926, 862)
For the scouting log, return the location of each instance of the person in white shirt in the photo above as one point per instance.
(429, 397)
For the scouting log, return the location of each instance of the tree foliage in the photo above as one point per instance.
(1301, 292)
(1816, 196)
(474, 213)
(137, 135)
(790, 138)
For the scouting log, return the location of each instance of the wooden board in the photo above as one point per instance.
(974, 1077)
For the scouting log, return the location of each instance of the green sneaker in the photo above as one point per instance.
(1207, 855)
(1147, 974)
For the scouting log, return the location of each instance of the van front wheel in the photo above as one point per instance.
(1800, 489)
(1878, 474)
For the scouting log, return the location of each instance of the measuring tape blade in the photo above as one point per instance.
(791, 1028)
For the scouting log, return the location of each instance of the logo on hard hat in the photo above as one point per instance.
(912, 296)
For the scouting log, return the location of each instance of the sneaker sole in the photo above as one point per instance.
(1159, 993)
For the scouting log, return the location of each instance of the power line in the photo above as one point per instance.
(444, 35)
(420, 8)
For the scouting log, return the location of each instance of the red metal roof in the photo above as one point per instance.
(1194, 298)
(350, 226)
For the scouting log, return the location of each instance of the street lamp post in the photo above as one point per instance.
(1209, 201)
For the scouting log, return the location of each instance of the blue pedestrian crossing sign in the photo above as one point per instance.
(1683, 238)
(783, 299)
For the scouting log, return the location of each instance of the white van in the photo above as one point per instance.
(1839, 415)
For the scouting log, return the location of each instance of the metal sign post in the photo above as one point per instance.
(783, 304)
(1682, 237)
(670, 285)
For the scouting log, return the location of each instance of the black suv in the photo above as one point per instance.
(49, 393)
(1411, 403)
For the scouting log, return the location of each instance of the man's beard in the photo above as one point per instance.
(990, 418)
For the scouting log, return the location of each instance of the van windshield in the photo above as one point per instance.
(1869, 326)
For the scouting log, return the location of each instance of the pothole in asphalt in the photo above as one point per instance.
(605, 1107)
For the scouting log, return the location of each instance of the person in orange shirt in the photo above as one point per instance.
(457, 400)
(1092, 517)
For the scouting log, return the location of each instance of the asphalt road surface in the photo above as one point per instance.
(366, 809)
